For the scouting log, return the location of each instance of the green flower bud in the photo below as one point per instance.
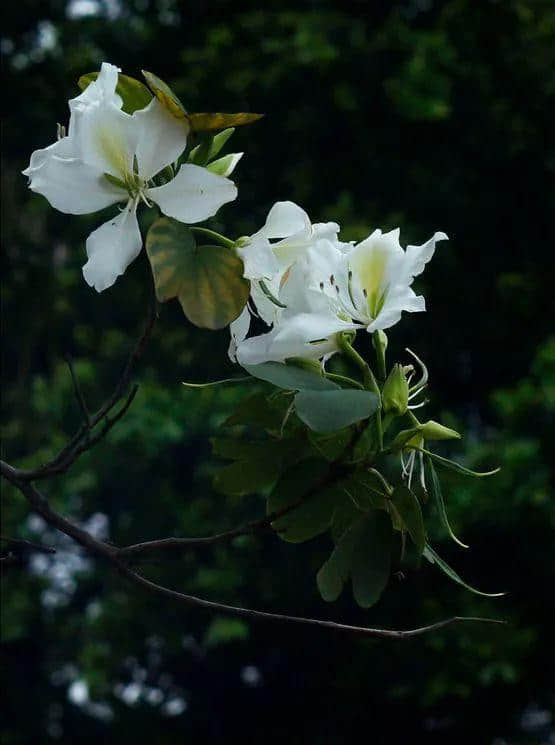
(435, 431)
(395, 393)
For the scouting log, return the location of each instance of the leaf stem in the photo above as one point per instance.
(222, 240)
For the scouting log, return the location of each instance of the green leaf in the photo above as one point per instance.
(290, 377)
(450, 465)
(133, 93)
(214, 121)
(259, 411)
(331, 446)
(200, 154)
(328, 411)
(336, 570)
(372, 558)
(247, 476)
(207, 280)
(433, 558)
(360, 498)
(435, 487)
(166, 97)
(367, 442)
(408, 507)
(304, 483)
(210, 147)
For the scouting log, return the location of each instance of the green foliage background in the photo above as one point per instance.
(419, 114)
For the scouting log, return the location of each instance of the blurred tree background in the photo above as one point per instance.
(421, 114)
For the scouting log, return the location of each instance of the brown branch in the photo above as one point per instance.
(22, 545)
(255, 527)
(110, 554)
(84, 439)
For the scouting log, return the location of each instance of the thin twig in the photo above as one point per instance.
(20, 544)
(82, 440)
(78, 392)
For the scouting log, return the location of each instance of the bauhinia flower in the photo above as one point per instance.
(289, 226)
(307, 326)
(109, 156)
(371, 282)
(269, 257)
(337, 287)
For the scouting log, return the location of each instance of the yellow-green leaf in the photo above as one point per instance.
(166, 96)
(212, 122)
(134, 94)
(207, 280)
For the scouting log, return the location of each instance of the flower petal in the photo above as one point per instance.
(307, 335)
(285, 219)
(258, 259)
(62, 148)
(418, 256)
(106, 138)
(111, 248)
(238, 330)
(103, 88)
(162, 138)
(194, 194)
(70, 185)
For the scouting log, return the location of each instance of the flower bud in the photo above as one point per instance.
(435, 431)
(395, 393)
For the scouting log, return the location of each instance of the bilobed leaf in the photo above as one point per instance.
(331, 446)
(303, 484)
(408, 507)
(450, 465)
(167, 97)
(328, 411)
(435, 487)
(336, 570)
(134, 94)
(360, 499)
(433, 558)
(290, 377)
(372, 558)
(214, 121)
(207, 280)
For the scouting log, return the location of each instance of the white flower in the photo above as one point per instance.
(109, 156)
(268, 256)
(291, 226)
(308, 320)
(371, 282)
(332, 288)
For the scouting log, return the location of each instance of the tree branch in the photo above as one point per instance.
(111, 554)
(83, 439)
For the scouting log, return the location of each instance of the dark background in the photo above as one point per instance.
(419, 114)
